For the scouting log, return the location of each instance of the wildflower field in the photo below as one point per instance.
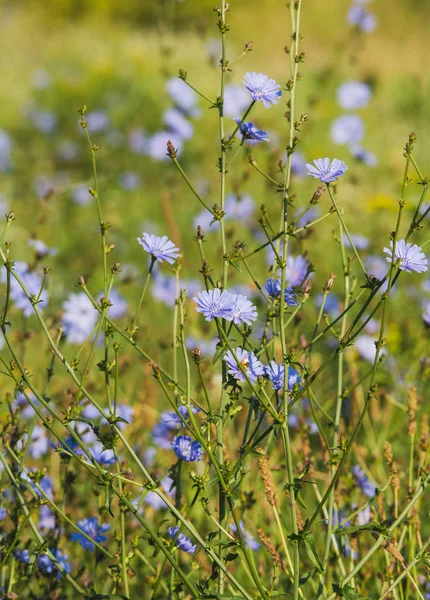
(215, 300)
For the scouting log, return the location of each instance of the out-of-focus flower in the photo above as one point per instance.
(365, 346)
(157, 144)
(5, 151)
(46, 518)
(236, 100)
(262, 88)
(178, 124)
(48, 567)
(97, 121)
(182, 541)
(296, 270)
(129, 181)
(426, 313)
(347, 129)
(367, 487)
(363, 155)
(92, 528)
(250, 132)
(298, 164)
(3, 513)
(249, 362)
(250, 541)
(361, 242)
(40, 79)
(361, 18)
(160, 248)
(182, 95)
(352, 95)
(81, 196)
(67, 150)
(79, 319)
(207, 347)
(44, 121)
(41, 248)
(327, 171)
(138, 141)
(119, 305)
(32, 281)
(410, 256)
(154, 500)
(186, 449)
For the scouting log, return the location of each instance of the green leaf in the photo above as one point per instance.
(312, 552)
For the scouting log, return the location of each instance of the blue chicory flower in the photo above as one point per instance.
(410, 257)
(186, 449)
(327, 171)
(250, 132)
(249, 362)
(262, 88)
(92, 528)
(160, 248)
(182, 541)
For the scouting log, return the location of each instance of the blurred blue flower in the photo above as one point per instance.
(215, 303)
(236, 100)
(160, 248)
(5, 151)
(182, 95)
(3, 513)
(250, 541)
(298, 164)
(367, 487)
(157, 144)
(365, 346)
(250, 132)
(92, 528)
(40, 79)
(207, 347)
(249, 362)
(325, 171)
(46, 518)
(178, 124)
(44, 121)
(182, 541)
(296, 270)
(129, 181)
(32, 282)
(41, 248)
(186, 449)
(81, 196)
(426, 313)
(48, 567)
(154, 500)
(353, 95)
(262, 88)
(79, 318)
(273, 288)
(22, 555)
(361, 18)
(119, 305)
(97, 121)
(138, 141)
(363, 155)
(361, 242)
(347, 129)
(67, 150)
(410, 256)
